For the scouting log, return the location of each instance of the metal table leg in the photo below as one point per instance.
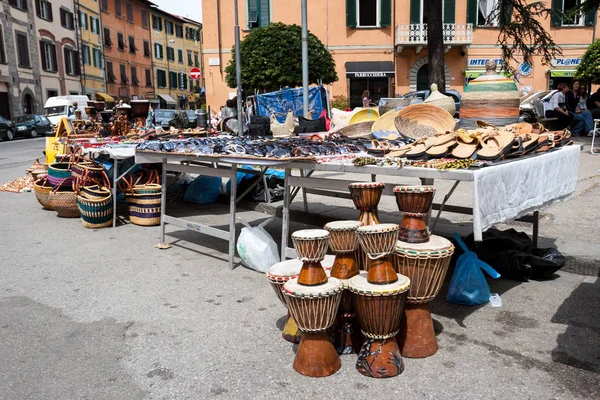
(115, 180)
(446, 197)
(304, 198)
(163, 207)
(536, 227)
(285, 224)
(232, 203)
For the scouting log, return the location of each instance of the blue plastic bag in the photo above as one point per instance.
(468, 285)
(203, 190)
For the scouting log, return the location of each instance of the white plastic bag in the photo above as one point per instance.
(256, 247)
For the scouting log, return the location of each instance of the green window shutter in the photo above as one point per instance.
(449, 6)
(472, 12)
(556, 19)
(252, 13)
(386, 12)
(589, 18)
(87, 53)
(415, 11)
(264, 13)
(351, 13)
(506, 14)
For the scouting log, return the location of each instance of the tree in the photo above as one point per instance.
(272, 59)
(521, 33)
(589, 68)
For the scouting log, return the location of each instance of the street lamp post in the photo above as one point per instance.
(304, 58)
(238, 68)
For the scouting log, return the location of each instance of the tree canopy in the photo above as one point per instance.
(589, 68)
(272, 58)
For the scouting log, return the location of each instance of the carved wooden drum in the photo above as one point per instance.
(379, 308)
(311, 246)
(414, 202)
(378, 242)
(366, 197)
(278, 275)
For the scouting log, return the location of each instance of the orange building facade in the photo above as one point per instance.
(381, 45)
(127, 51)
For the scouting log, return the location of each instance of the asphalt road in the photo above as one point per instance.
(104, 315)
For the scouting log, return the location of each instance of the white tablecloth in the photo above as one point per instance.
(116, 153)
(508, 191)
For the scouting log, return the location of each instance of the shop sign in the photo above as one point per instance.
(214, 61)
(369, 74)
(565, 62)
(525, 69)
(480, 62)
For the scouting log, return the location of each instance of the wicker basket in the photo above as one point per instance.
(144, 209)
(86, 173)
(94, 192)
(385, 126)
(367, 114)
(438, 99)
(361, 129)
(150, 188)
(389, 104)
(42, 190)
(59, 172)
(64, 201)
(428, 114)
(96, 213)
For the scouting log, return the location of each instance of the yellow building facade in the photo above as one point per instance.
(90, 45)
(192, 51)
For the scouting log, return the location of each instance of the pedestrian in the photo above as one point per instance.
(249, 111)
(366, 98)
(557, 108)
(582, 118)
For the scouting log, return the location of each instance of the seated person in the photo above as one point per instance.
(593, 104)
(582, 117)
(556, 107)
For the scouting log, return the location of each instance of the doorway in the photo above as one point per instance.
(423, 77)
(4, 107)
(377, 87)
(28, 104)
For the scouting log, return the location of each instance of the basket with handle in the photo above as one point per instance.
(95, 188)
(141, 183)
(42, 190)
(63, 200)
(96, 212)
(86, 172)
(61, 171)
(145, 208)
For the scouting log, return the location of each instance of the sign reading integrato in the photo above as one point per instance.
(565, 62)
(480, 62)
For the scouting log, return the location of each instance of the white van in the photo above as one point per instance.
(58, 107)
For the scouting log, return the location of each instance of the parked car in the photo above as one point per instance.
(7, 129)
(32, 125)
(526, 110)
(169, 118)
(423, 94)
(193, 117)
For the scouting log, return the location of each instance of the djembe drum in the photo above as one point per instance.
(414, 202)
(426, 265)
(311, 246)
(378, 242)
(379, 308)
(278, 275)
(344, 242)
(366, 197)
(314, 309)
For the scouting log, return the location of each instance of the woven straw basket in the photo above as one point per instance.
(96, 213)
(144, 209)
(64, 202)
(386, 124)
(42, 190)
(361, 129)
(367, 114)
(430, 115)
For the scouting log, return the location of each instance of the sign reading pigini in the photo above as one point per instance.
(195, 73)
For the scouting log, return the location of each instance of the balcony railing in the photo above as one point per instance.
(416, 34)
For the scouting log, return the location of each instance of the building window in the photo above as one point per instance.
(170, 54)
(71, 61)
(147, 52)
(43, 9)
(118, 11)
(196, 60)
(85, 54)
(97, 55)
(20, 4)
(191, 83)
(67, 19)
(156, 23)
(190, 62)
(485, 13)
(179, 31)
(145, 19)
(134, 78)
(83, 20)
(161, 78)
(173, 80)
(110, 74)
(129, 10)
(51, 93)
(2, 48)
(123, 70)
(158, 51)
(182, 81)
(104, 5)
(132, 48)
(95, 25)
(148, 78)
(258, 14)
(120, 41)
(169, 27)
(48, 56)
(567, 19)
(107, 40)
(180, 56)
(23, 50)
(367, 11)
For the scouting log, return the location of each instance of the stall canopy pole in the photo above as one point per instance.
(238, 69)
(305, 59)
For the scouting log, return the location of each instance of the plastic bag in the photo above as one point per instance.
(256, 247)
(203, 190)
(468, 285)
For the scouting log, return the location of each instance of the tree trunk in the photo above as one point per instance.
(435, 43)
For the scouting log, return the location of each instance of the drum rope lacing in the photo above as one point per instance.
(317, 313)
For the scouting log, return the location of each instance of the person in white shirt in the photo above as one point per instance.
(557, 108)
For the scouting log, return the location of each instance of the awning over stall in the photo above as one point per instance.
(168, 99)
(369, 69)
(100, 96)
